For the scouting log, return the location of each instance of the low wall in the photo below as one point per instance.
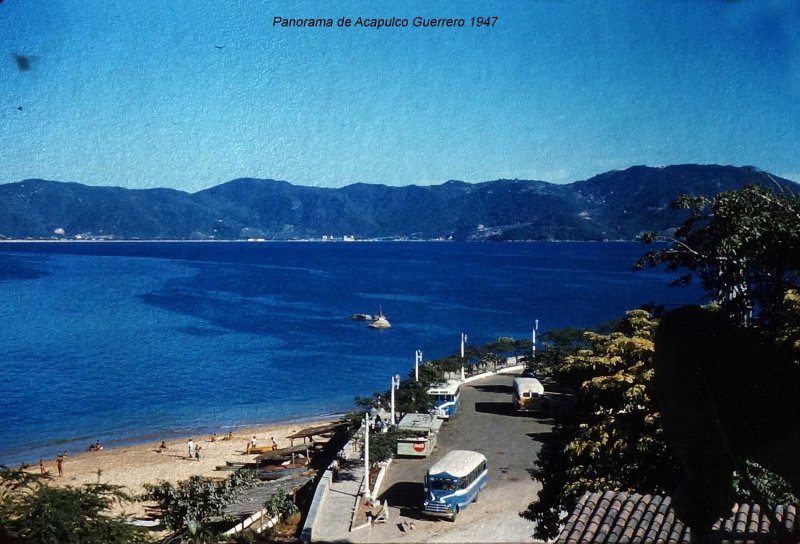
(316, 505)
(349, 451)
(504, 370)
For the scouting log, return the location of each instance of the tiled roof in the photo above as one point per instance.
(617, 518)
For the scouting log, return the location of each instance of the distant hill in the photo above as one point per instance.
(616, 205)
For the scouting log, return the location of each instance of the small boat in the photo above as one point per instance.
(380, 321)
(227, 467)
(262, 449)
(280, 471)
(361, 317)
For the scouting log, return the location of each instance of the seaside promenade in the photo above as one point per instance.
(485, 423)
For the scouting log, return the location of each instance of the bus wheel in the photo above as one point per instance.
(476, 496)
(455, 513)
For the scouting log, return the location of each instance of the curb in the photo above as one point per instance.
(320, 493)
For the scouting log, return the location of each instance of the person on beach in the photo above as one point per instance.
(274, 444)
(41, 466)
(190, 449)
(250, 445)
(60, 463)
(212, 438)
(162, 447)
(197, 452)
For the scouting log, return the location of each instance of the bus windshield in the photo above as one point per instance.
(443, 484)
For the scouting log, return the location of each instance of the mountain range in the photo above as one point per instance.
(616, 205)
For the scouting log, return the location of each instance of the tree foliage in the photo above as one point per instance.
(556, 345)
(789, 330)
(758, 483)
(705, 366)
(611, 436)
(197, 499)
(281, 505)
(383, 446)
(412, 397)
(744, 248)
(34, 511)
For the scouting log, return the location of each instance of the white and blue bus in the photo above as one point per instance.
(446, 398)
(453, 482)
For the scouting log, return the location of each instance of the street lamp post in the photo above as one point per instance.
(367, 492)
(463, 341)
(395, 385)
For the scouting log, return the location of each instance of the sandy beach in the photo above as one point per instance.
(133, 466)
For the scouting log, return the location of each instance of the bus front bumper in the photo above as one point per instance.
(438, 510)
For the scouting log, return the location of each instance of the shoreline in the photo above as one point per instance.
(298, 240)
(78, 445)
(131, 466)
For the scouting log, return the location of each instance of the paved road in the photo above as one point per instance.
(486, 423)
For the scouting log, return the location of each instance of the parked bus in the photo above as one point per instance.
(446, 398)
(453, 482)
(528, 394)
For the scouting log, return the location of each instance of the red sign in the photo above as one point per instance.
(419, 447)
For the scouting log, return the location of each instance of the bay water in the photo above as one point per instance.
(128, 342)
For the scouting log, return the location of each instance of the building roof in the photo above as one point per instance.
(310, 432)
(617, 517)
(253, 499)
(423, 423)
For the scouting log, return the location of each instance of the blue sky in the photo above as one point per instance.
(190, 94)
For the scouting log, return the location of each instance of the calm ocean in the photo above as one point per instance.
(131, 342)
